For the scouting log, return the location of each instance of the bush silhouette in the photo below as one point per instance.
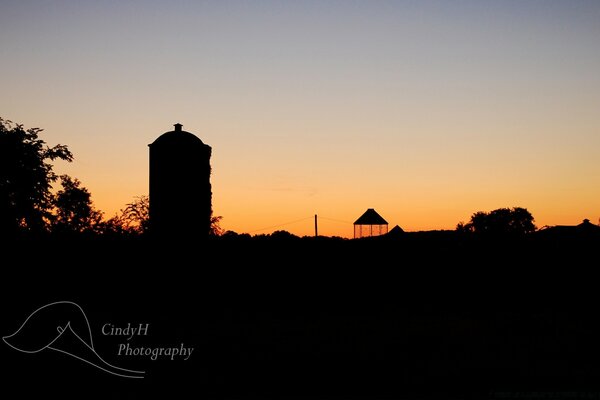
(502, 221)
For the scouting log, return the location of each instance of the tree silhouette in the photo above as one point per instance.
(26, 177)
(215, 226)
(74, 211)
(136, 214)
(133, 220)
(502, 221)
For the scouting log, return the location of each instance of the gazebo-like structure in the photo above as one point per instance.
(370, 224)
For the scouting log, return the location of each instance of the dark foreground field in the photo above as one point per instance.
(418, 316)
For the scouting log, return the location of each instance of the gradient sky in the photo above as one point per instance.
(426, 111)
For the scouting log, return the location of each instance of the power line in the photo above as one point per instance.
(299, 220)
(284, 224)
(335, 220)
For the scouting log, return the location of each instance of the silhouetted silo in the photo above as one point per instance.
(180, 190)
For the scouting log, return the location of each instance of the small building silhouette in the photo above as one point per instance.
(370, 224)
(180, 190)
(584, 230)
(396, 231)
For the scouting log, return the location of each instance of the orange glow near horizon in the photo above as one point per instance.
(428, 189)
(416, 206)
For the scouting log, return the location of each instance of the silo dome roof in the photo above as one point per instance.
(178, 136)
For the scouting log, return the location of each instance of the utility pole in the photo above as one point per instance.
(316, 229)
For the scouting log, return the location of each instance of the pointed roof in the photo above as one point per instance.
(370, 217)
(396, 231)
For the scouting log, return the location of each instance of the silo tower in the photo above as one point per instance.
(180, 190)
